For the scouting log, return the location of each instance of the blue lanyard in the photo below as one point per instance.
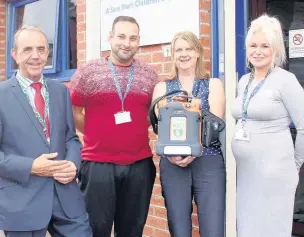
(118, 88)
(253, 93)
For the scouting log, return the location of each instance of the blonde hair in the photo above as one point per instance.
(272, 30)
(194, 44)
(30, 28)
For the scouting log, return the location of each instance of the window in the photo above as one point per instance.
(57, 18)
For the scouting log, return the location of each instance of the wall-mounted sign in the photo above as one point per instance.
(296, 44)
(159, 20)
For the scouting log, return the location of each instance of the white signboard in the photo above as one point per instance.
(159, 20)
(296, 44)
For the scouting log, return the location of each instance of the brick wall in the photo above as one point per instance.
(156, 225)
(81, 31)
(2, 39)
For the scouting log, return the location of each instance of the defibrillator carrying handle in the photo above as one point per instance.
(152, 114)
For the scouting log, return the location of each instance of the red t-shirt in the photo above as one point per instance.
(93, 88)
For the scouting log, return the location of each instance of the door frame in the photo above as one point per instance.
(241, 25)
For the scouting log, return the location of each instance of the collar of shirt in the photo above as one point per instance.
(26, 82)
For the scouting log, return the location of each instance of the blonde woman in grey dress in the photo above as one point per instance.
(269, 98)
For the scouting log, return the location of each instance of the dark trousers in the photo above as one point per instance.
(119, 194)
(205, 180)
(60, 225)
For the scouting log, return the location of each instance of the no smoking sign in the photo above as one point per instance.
(297, 39)
(296, 45)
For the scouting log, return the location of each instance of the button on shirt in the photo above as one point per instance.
(25, 83)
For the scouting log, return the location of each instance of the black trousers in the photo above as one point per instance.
(119, 194)
(205, 181)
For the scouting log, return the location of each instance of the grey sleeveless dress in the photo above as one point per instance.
(267, 165)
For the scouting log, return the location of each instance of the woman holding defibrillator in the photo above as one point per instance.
(202, 178)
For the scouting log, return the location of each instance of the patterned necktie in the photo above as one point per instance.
(40, 105)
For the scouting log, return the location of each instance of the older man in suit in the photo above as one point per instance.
(39, 150)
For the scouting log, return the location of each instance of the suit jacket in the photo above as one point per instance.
(26, 200)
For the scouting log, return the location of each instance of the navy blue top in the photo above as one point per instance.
(200, 90)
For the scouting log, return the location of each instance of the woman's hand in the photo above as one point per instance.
(179, 161)
(179, 99)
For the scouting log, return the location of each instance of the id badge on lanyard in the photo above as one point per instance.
(242, 134)
(122, 116)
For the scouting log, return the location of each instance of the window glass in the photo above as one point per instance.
(72, 36)
(43, 14)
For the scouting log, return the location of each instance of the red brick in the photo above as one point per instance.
(163, 77)
(157, 67)
(152, 136)
(156, 159)
(161, 233)
(152, 145)
(2, 22)
(157, 222)
(2, 9)
(81, 27)
(195, 232)
(80, 62)
(105, 53)
(80, 2)
(148, 231)
(81, 36)
(204, 17)
(144, 57)
(81, 55)
(205, 29)
(159, 57)
(205, 4)
(151, 48)
(157, 171)
(157, 200)
(207, 53)
(2, 40)
(2, 44)
(81, 46)
(81, 18)
(161, 212)
(194, 220)
(81, 8)
(167, 67)
(207, 65)
(157, 188)
(205, 42)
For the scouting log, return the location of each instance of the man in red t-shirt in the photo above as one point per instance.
(117, 174)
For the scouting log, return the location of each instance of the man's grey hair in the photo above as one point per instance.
(29, 28)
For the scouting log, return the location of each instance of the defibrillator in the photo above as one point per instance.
(178, 124)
